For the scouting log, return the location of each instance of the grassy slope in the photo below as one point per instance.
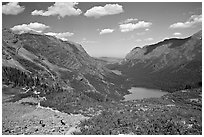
(24, 117)
(177, 113)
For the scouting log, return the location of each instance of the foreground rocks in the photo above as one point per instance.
(25, 117)
(178, 113)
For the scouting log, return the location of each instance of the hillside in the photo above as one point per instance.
(52, 86)
(109, 60)
(59, 62)
(170, 65)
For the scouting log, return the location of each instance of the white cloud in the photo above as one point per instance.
(149, 39)
(63, 36)
(108, 9)
(12, 8)
(177, 34)
(131, 26)
(191, 22)
(104, 31)
(32, 27)
(61, 9)
(128, 21)
(146, 29)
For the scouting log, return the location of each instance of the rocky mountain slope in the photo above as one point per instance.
(58, 63)
(170, 64)
(109, 60)
(24, 117)
(54, 87)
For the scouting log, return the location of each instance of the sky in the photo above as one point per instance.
(105, 29)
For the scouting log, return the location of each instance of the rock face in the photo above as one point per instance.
(63, 54)
(60, 62)
(171, 63)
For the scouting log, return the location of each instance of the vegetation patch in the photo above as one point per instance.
(159, 116)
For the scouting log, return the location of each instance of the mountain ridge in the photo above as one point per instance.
(62, 62)
(174, 63)
(32, 85)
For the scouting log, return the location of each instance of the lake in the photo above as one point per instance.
(140, 93)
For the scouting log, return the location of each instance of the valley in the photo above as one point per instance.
(51, 86)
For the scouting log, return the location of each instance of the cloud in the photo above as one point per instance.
(191, 22)
(12, 8)
(105, 31)
(131, 26)
(149, 39)
(177, 34)
(128, 21)
(60, 9)
(63, 36)
(108, 9)
(32, 27)
(147, 29)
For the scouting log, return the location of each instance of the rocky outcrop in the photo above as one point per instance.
(24, 117)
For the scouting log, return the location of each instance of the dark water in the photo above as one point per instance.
(140, 93)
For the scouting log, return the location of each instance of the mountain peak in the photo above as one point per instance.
(170, 64)
(136, 48)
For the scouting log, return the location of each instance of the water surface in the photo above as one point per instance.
(140, 93)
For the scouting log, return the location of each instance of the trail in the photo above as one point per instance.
(18, 118)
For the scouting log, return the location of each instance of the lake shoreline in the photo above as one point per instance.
(142, 92)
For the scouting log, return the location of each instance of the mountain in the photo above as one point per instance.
(61, 63)
(170, 64)
(46, 81)
(108, 60)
